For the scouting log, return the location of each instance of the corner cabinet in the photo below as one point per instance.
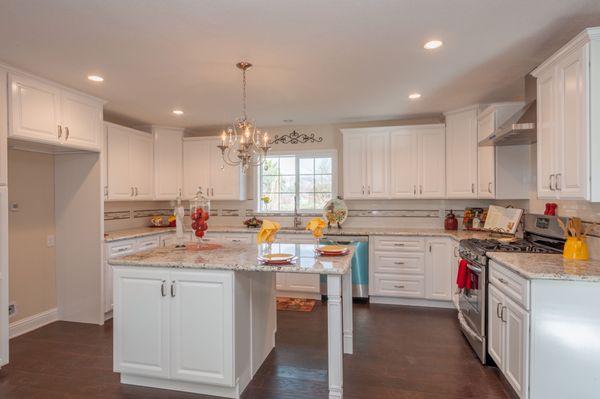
(567, 127)
(130, 164)
(366, 163)
(203, 166)
(45, 113)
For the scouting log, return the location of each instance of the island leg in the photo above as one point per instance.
(347, 313)
(334, 336)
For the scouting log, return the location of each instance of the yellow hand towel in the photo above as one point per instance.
(267, 232)
(316, 225)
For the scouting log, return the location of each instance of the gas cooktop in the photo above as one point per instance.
(483, 246)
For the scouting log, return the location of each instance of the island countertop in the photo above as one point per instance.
(238, 257)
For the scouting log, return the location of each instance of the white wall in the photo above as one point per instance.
(31, 262)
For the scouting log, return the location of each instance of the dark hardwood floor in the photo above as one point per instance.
(400, 353)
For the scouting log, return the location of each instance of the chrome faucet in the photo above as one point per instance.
(297, 218)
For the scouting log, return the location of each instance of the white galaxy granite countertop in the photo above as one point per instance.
(350, 231)
(548, 266)
(238, 257)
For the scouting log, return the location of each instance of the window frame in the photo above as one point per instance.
(301, 154)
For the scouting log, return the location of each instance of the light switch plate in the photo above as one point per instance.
(14, 207)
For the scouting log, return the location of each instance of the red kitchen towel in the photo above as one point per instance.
(463, 274)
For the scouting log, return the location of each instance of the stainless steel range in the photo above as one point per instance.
(542, 235)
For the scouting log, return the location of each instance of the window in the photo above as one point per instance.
(305, 179)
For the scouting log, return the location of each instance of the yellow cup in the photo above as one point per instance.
(576, 248)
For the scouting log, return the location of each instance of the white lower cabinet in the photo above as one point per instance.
(201, 331)
(508, 329)
(410, 267)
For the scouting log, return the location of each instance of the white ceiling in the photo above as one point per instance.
(316, 61)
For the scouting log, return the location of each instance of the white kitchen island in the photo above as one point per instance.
(204, 321)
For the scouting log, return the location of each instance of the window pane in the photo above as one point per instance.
(271, 166)
(323, 165)
(270, 184)
(321, 199)
(307, 183)
(323, 183)
(307, 166)
(287, 165)
(288, 184)
(286, 202)
(273, 204)
(307, 201)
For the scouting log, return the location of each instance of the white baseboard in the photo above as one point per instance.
(385, 300)
(31, 323)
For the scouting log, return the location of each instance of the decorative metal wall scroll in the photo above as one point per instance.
(296, 138)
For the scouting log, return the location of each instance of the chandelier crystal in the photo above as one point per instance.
(242, 143)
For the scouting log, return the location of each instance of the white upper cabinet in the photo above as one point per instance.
(486, 160)
(432, 161)
(45, 113)
(568, 147)
(168, 163)
(355, 165)
(366, 163)
(203, 167)
(130, 164)
(461, 153)
(404, 171)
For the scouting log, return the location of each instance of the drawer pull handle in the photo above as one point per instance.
(173, 289)
(503, 281)
(498, 310)
(236, 240)
(398, 286)
(399, 263)
(502, 314)
(398, 244)
(162, 288)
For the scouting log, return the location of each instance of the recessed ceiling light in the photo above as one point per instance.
(96, 78)
(414, 96)
(433, 44)
(178, 112)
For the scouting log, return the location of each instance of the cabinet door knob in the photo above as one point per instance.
(59, 131)
(66, 133)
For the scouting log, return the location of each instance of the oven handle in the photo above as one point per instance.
(474, 268)
(466, 328)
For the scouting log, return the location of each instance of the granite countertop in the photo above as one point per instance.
(238, 257)
(548, 266)
(350, 231)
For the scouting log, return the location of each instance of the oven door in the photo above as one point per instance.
(472, 302)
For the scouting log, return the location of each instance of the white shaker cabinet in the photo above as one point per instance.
(203, 166)
(568, 148)
(438, 270)
(42, 112)
(417, 162)
(168, 163)
(366, 163)
(461, 153)
(130, 160)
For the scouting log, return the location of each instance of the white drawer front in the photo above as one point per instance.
(121, 248)
(399, 285)
(401, 244)
(238, 238)
(146, 243)
(511, 284)
(399, 263)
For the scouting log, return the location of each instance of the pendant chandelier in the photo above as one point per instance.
(248, 144)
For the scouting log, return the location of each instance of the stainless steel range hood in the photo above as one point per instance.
(517, 130)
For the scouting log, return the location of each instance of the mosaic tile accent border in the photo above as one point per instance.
(403, 213)
(117, 215)
(146, 213)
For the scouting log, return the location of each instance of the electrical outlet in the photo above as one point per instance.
(12, 309)
(50, 240)
(14, 207)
